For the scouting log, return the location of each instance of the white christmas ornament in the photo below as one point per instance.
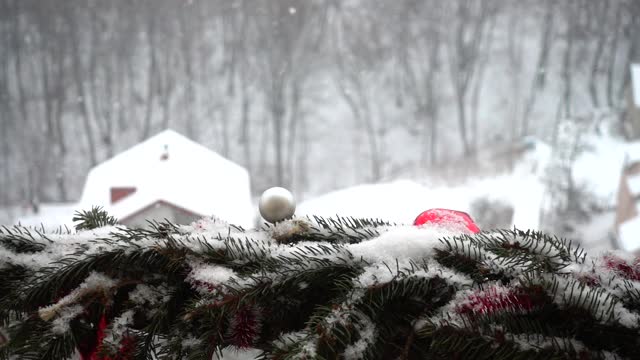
(277, 204)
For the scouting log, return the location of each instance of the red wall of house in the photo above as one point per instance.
(119, 193)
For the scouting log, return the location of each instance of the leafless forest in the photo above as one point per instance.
(309, 94)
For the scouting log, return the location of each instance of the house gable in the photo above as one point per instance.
(119, 193)
(159, 211)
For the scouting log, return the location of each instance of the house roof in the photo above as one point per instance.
(192, 177)
(635, 84)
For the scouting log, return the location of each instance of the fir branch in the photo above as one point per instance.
(93, 219)
(22, 240)
(191, 291)
(345, 230)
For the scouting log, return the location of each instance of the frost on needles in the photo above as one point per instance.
(310, 288)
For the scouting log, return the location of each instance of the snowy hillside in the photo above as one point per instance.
(597, 170)
(401, 201)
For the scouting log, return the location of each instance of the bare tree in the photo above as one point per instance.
(539, 78)
(288, 33)
(73, 32)
(357, 53)
(478, 82)
(571, 8)
(83, 79)
(420, 59)
(613, 51)
(6, 111)
(152, 70)
(463, 48)
(632, 27)
(597, 10)
(53, 44)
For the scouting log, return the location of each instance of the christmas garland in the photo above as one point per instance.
(312, 288)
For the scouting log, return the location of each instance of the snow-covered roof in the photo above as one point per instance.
(191, 177)
(635, 83)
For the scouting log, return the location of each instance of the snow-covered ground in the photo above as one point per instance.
(598, 169)
(402, 200)
(56, 215)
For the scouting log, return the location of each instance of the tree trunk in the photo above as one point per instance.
(18, 48)
(567, 62)
(602, 35)
(246, 128)
(83, 106)
(151, 81)
(188, 99)
(631, 56)
(475, 96)
(613, 51)
(462, 121)
(167, 90)
(294, 118)
(541, 66)
(277, 120)
(303, 155)
(6, 126)
(47, 94)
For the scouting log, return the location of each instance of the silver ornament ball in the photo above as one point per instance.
(277, 204)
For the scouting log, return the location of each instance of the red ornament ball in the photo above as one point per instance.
(446, 216)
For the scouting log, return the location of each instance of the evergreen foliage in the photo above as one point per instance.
(310, 288)
(93, 219)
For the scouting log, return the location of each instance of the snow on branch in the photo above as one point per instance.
(311, 288)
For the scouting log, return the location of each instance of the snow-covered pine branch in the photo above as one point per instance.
(311, 288)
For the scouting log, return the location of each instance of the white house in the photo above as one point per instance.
(169, 177)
